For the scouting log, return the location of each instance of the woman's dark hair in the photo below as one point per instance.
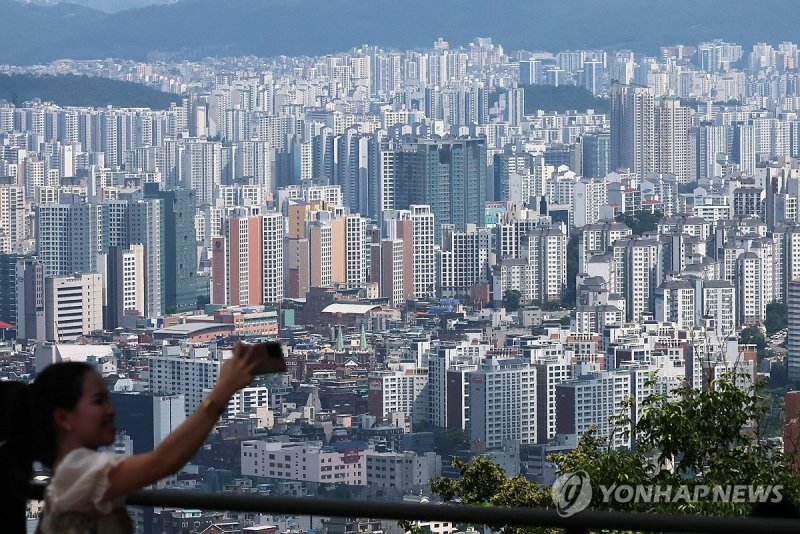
(59, 386)
(28, 433)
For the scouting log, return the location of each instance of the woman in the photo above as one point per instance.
(65, 416)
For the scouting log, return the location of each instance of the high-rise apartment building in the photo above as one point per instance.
(247, 261)
(502, 396)
(124, 277)
(590, 196)
(672, 153)
(416, 228)
(8, 287)
(539, 272)
(675, 302)
(195, 165)
(718, 305)
(187, 371)
(12, 217)
(448, 382)
(596, 152)
(793, 335)
(132, 220)
(237, 269)
(69, 236)
(402, 391)
(448, 174)
(641, 273)
(505, 164)
(633, 129)
(30, 299)
(464, 259)
(551, 370)
(272, 234)
(593, 400)
(711, 145)
(73, 306)
(179, 252)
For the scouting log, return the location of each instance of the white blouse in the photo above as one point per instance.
(74, 498)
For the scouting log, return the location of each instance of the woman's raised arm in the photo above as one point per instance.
(136, 472)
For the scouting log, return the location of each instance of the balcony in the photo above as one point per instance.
(580, 523)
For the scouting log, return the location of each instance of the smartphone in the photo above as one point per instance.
(271, 356)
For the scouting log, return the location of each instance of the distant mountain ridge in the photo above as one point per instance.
(106, 6)
(312, 27)
(72, 90)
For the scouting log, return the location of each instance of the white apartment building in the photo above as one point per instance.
(448, 384)
(592, 400)
(551, 370)
(355, 250)
(596, 238)
(245, 401)
(401, 391)
(591, 194)
(786, 249)
(194, 164)
(405, 471)
(68, 236)
(594, 317)
(187, 371)
(502, 402)
(718, 303)
(672, 154)
(305, 462)
(12, 217)
(641, 273)
(73, 306)
(463, 261)
(273, 232)
(675, 303)
(133, 277)
(424, 255)
(751, 296)
(541, 272)
(392, 271)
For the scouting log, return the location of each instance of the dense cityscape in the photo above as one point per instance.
(456, 264)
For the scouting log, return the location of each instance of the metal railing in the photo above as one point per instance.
(581, 522)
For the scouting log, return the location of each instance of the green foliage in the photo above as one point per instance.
(446, 441)
(449, 441)
(551, 305)
(777, 317)
(484, 483)
(752, 335)
(72, 90)
(711, 436)
(640, 222)
(561, 99)
(512, 299)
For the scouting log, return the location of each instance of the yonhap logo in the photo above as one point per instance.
(572, 493)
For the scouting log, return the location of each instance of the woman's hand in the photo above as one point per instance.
(239, 370)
